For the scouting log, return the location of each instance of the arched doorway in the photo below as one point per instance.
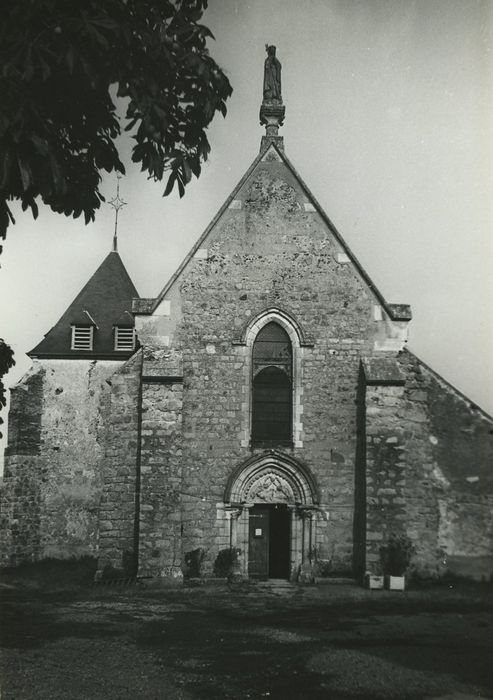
(270, 501)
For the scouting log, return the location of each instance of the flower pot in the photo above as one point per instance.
(396, 583)
(374, 583)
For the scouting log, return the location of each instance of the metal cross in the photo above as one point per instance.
(117, 203)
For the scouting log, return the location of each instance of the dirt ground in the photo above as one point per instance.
(247, 641)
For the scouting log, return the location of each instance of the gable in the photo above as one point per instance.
(269, 213)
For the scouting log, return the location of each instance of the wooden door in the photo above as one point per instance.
(258, 549)
(279, 541)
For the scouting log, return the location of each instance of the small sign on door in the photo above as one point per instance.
(258, 532)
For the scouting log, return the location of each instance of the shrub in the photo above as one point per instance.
(323, 568)
(396, 555)
(193, 562)
(226, 561)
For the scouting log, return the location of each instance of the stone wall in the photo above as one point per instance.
(120, 472)
(20, 495)
(160, 492)
(386, 469)
(453, 452)
(428, 473)
(52, 484)
(270, 249)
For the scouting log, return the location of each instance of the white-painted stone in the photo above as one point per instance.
(164, 308)
(235, 204)
(210, 349)
(440, 477)
(342, 258)
(201, 254)
(392, 344)
(377, 312)
(308, 206)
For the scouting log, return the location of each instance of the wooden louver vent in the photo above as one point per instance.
(82, 337)
(124, 338)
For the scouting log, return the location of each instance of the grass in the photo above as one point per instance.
(51, 573)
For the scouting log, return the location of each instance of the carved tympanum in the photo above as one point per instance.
(270, 488)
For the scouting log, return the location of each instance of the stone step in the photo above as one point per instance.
(335, 580)
(275, 583)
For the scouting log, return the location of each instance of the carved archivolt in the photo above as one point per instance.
(272, 478)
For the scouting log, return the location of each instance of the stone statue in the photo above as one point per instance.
(272, 76)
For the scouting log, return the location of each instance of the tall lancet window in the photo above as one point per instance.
(272, 386)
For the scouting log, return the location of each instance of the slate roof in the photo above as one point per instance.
(105, 300)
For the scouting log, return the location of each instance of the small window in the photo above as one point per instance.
(124, 338)
(82, 337)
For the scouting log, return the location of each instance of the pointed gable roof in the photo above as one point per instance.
(397, 312)
(104, 302)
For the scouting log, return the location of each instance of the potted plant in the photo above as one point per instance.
(374, 582)
(227, 564)
(396, 556)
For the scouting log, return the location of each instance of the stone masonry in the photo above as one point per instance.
(53, 465)
(270, 248)
(143, 460)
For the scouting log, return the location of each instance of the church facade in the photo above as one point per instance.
(264, 400)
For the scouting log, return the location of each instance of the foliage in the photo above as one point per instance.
(226, 561)
(321, 566)
(58, 121)
(6, 362)
(396, 555)
(193, 562)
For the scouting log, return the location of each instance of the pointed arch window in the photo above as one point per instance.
(272, 387)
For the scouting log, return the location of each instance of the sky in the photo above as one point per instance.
(389, 108)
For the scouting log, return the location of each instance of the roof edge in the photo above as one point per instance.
(204, 235)
(459, 393)
(396, 312)
(122, 355)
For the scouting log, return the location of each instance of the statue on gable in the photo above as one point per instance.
(272, 76)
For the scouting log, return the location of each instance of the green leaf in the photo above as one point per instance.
(170, 184)
(41, 145)
(26, 174)
(70, 59)
(34, 208)
(195, 165)
(5, 165)
(186, 171)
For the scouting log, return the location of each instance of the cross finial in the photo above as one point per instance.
(117, 203)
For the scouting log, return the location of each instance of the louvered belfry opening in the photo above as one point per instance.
(272, 387)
